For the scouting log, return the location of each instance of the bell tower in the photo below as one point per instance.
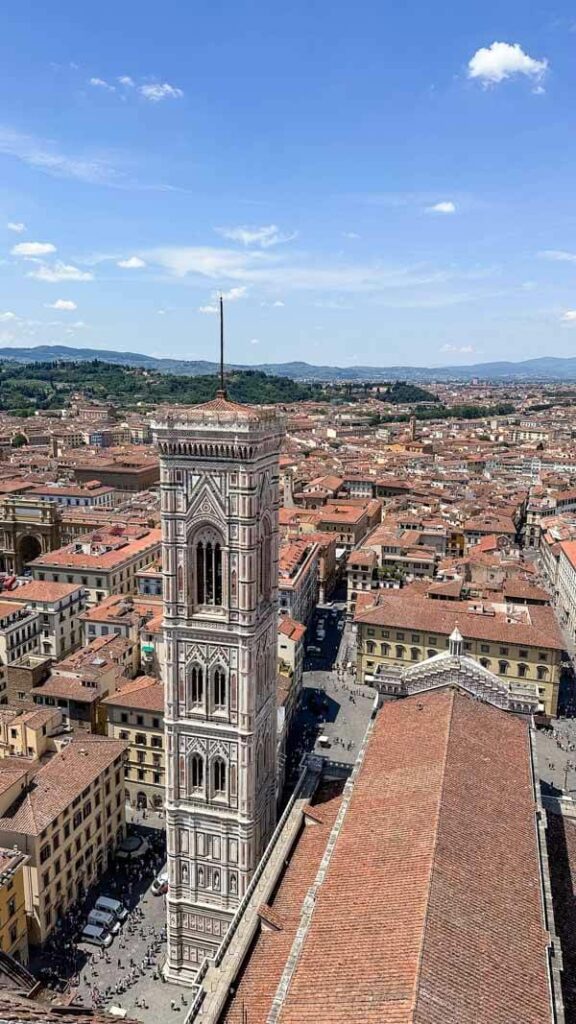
(219, 508)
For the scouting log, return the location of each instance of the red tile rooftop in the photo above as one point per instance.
(413, 922)
(41, 590)
(290, 628)
(526, 626)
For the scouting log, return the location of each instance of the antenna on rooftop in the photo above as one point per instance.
(221, 307)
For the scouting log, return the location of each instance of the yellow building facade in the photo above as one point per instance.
(516, 652)
(135, 715)
(13, 922)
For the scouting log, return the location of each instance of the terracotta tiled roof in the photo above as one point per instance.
(42, 590)
(145, 693)
(57, 783)
(258, 982)
(532, 626)
(430, 910)
(290, 628)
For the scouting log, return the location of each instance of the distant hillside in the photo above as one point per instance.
(544, 368)
(27, 388)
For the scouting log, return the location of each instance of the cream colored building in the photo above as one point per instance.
(104, 562)
(13, 922)
(60, 606)
(135, 715)
(19, 635)
(67, 817)
(29, 731)
(518, 643)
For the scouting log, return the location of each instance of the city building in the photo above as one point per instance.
(298, 578)
(220, 497)
(78, 684)
(67, 817)
(566, 584)
(60, 606)
(13, 922)
(30, 732)
(28, 528)
(135, 715)
(19, 636)
(104, 562)
(91, 495)
(517, 642)
(290, 662)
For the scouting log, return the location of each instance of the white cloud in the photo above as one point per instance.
(417, 284)
(232, 294)
(464, 349)
(45, 158)
(6, 317)
(100, 83)
(156, 91)
(558, 256)
(17, 226)
(495, 63)
(569, 316)
(127, 81)
(255, 341)
(132, 263)
(60, 272)
(32, 249)
(265, 236)
(350, 234)
(443, 207)
(63, 304)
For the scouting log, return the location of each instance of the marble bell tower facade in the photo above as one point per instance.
(219, 508)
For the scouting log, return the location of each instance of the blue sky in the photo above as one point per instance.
(366, 183)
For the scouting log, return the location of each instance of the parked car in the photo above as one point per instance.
(160, 884)
(96, 936)
(104, 919)
(111, 906)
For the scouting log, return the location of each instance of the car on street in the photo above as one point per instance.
(160, 884)
(95, 935)
(108, 905)
(104, 919)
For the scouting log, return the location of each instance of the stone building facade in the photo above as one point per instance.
(219, 502)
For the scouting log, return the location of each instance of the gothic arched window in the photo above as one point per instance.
(208, 558)
(264, 560)
(219, 689)
(196, 684)
(197, 771)
(219, 776)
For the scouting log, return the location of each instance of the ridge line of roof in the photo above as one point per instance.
(418, 979)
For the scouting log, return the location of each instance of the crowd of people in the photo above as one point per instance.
(64, 966)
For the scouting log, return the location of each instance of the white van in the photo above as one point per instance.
(96, 936)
